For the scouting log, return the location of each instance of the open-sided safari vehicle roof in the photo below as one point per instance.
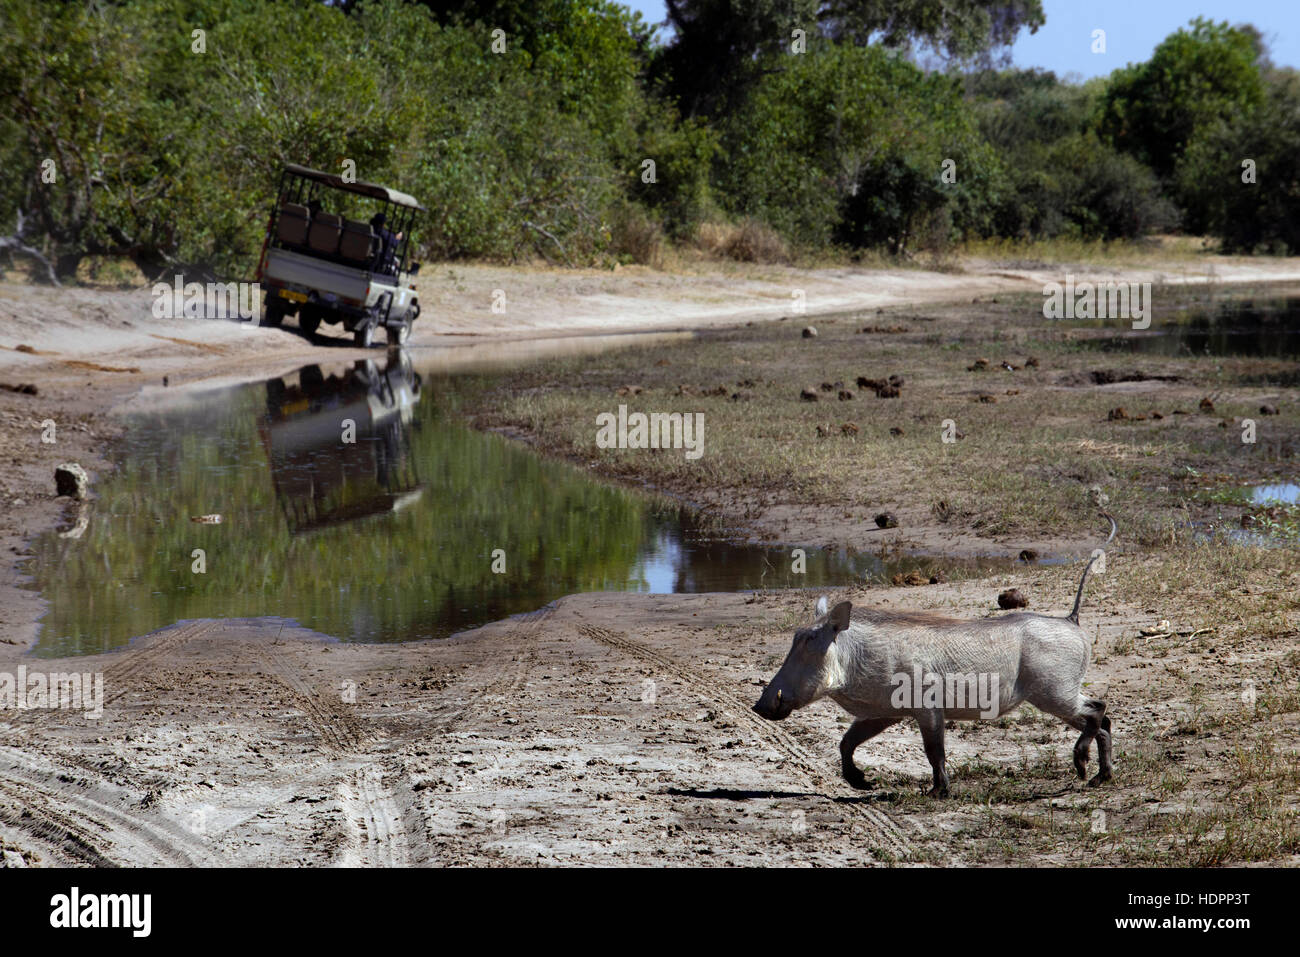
(373, 190)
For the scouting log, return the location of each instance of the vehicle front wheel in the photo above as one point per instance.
(364, 336)
(308, 321)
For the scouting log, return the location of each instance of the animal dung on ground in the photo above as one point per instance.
(896, 381)
(809, 395)
(629, 390)
(887, 392)
(1206, 405)
(809, 332)
(717, 390)
(1031, 363)
(978, 366)
(741, 396)
(23, 388)
(1028, 555)
(822, 431)
(873, 384)
(849, 428)
(1012, 598)
(1156, 415)
(911, 578)
(1013, 391)
(1264, 409)
(1117, 413)
(895, 431)
(987, 399)
(846, 395)
(828, 386)
(887, 520)
(1008, 366)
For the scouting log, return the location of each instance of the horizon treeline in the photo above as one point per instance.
(758, 129)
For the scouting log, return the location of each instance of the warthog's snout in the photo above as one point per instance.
(774, 703)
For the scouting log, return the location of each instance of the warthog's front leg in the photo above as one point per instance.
(931, 724)
(861, 730)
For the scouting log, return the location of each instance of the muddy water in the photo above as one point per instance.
(352, 499)
(1263, 328)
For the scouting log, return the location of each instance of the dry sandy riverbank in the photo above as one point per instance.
(605, 729)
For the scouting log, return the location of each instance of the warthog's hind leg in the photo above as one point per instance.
(1088, 717)
(1106, 768)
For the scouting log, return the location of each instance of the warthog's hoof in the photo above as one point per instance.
(938, 792)
(856, 779)
(1101, 777)
(1081, 768)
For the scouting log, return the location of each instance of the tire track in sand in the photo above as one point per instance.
(881, 829)
(94, 823)
(88, 821)
(510, 678)
(376, 835)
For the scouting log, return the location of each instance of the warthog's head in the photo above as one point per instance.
(808, 669)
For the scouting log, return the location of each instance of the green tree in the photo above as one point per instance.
(1259, 211)
(721, 48)
(1197, 78)
(849, 143)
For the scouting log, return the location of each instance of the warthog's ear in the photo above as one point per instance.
(821, 606)
(840, 615)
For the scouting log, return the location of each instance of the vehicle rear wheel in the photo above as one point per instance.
(397, 335)
(364, 335)
(274, 315)
(308, 320)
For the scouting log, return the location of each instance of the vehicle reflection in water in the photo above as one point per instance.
(339, 446)
(398, 534)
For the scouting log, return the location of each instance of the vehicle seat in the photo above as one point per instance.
(326, 228)
(291, 226)
(358, 241)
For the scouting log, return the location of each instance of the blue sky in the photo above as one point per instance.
(1133, 28)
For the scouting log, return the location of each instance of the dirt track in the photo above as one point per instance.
(604, 729)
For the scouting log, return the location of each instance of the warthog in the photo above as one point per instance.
(884, 666)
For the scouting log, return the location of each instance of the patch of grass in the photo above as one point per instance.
(1034, 441)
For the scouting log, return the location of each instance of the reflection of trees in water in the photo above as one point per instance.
(420, 571)
(1269, 329)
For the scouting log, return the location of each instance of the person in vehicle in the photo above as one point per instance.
(386, 258)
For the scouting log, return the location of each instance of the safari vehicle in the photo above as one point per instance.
(323, 265)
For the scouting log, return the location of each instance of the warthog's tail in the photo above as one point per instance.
(1078, 597)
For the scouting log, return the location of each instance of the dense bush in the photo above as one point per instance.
(848, 144)
(122, 140)
(1264, 215)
